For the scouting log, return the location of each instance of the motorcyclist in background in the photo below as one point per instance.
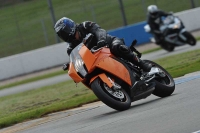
(73, 34)
(154, 21)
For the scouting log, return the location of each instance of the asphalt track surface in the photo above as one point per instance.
(178, 113)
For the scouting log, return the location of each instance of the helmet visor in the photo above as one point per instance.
(154, 14)
(66, 36)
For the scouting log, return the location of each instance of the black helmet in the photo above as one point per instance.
(65, 28)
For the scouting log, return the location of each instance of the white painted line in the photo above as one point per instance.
(183, 80)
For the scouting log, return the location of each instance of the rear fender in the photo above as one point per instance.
(104, 78)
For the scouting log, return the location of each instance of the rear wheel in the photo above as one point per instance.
(168, 47)
(165, 85)
(116, 99)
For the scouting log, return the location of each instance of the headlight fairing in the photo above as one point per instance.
(177, 26)
(77, 61)
(79, 66)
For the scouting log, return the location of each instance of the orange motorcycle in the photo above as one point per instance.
(115, 81)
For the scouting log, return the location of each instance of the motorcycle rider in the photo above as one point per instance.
(73, 34)
(154, 21)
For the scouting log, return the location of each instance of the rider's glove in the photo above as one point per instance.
(157, 31)
(101, 43)
(65, 66)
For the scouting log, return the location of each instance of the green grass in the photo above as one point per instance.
(182, 63)
(151, 50)
(36, 103)
(23, 25)
(198, 38)
(39, 102)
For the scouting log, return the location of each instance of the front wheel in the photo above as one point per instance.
(165, 84)
(116, 99)
(190, 38)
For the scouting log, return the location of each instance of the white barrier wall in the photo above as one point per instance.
(55, 55)
(190, 18)
(32, 61)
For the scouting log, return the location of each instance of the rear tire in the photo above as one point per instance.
(165, 86)
(111, 101)
(168, 47)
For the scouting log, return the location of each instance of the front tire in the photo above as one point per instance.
(165, 86)
(99, 89)
(190, 38)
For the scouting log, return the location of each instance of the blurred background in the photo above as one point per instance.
(28, 24)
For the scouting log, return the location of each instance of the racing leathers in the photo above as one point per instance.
(154, 22)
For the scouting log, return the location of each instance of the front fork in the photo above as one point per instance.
(107, 80)
(182, 37)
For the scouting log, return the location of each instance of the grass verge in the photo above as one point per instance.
(39, 102)
(181, 64)
(151, 50)
(198, 38)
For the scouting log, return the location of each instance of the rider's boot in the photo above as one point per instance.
(142, 64)
(126, 53)
(158, 39)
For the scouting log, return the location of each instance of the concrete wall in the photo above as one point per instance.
(32, 61)
(55, 55)
(131, 32)
(190, 18)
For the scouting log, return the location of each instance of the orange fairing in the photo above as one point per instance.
(116, 68)
(87, 56)
(73, 74)
(104, 78)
